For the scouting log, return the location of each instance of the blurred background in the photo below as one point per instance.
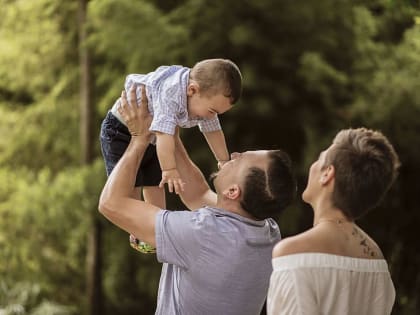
(310, 68)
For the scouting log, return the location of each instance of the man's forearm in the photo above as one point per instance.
(116, 204)
(197, 192)
(122, 179)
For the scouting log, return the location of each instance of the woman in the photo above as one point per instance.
(335, 267)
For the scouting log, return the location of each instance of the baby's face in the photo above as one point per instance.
(201, 106)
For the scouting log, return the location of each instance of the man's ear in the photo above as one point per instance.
(327, 175)
(232, 192)
(192, 88)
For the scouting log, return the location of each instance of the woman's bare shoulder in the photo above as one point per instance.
(330, 239)
(301, 243)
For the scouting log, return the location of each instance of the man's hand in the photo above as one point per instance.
(137, 118)
(173, 179)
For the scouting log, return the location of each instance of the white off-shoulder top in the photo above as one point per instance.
(317, 283)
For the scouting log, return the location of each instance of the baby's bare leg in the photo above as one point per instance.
(155, 196)
(136, 194)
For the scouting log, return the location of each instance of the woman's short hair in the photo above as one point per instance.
(366, 165)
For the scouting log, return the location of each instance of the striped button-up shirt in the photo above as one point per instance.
(166, 90)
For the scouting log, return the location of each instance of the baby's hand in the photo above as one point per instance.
(221, 163)
(173, 179)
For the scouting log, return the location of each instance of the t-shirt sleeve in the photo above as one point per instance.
(162, 123)
(209, 125)
(179, 237)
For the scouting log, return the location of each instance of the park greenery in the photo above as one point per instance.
(310, 68)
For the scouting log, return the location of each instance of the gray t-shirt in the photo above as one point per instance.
(215, 262)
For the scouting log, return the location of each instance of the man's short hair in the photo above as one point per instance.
(366, 165)
(267, 193)
(218, 76)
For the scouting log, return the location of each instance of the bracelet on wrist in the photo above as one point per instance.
(169, 169)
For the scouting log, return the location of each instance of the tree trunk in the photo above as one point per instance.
(86, 110)
(93, 255)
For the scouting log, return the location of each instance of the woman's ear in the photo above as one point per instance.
(233, 192)
(327, 175)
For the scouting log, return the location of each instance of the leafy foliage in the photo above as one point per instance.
(25, 299)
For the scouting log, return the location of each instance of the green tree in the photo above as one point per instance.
(310, 69)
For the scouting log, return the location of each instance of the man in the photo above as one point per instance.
(217, 259)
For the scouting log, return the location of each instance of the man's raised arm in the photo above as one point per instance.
(197, 192)
(116, 203)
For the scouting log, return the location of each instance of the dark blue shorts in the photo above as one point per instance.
(115, 138)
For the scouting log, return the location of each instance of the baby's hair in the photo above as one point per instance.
(218, 76)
